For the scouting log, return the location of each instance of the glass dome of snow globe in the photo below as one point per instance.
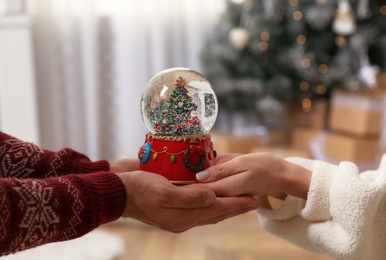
(179, 102)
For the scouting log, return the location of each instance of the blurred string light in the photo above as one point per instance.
(341, 41)
(305, 63)
(301, 39)
(304, 86)
(293, 2)
(323, 68)
(306, 105)
(297, 15)
(321, 89)
(264, 36)
(263, 45)
(382, 9)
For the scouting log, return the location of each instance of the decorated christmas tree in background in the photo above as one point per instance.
(266, 52)
(177, 116)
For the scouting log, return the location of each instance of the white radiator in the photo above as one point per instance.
(18, 105)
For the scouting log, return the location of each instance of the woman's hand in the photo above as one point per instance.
(256, 174)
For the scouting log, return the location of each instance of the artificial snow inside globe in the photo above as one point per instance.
(179, 108)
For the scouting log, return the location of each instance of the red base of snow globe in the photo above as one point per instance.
(177, 158)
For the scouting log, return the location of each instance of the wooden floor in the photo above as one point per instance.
(238, 238)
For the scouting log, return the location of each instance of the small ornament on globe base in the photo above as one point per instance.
(179, 108)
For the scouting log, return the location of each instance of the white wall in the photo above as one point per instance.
(18, 104)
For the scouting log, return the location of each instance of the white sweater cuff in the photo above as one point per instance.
(317, 206)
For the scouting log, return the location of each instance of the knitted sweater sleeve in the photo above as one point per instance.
(344, 215)
(21, 159)
(35, 210)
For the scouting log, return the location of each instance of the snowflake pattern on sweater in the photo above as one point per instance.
(48, 196)
(18, 158)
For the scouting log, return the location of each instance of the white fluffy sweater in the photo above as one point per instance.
(344, 215)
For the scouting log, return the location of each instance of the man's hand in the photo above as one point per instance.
(152, 199)
(124, 165)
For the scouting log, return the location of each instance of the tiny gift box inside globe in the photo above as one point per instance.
(179, 107)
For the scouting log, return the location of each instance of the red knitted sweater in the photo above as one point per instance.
(48, 196)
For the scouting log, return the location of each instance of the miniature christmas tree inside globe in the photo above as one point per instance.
(179, 102)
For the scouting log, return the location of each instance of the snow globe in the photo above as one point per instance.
(179, 108)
